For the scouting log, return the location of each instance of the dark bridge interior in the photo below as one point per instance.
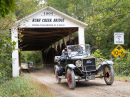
(47, 40)
(42, 38)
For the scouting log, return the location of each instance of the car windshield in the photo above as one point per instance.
(78, 50)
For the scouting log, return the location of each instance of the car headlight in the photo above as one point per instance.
(78, 63)
(99, 61)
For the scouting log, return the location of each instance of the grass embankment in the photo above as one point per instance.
(24, 86)
(122, 78)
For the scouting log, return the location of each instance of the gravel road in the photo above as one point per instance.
(94, 88)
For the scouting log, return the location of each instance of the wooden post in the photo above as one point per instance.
(19, 63)
(60, 49)
(42, 58)
(15, 53)
(56, 46)
(81, 35)
(70, 36)
(64, 41)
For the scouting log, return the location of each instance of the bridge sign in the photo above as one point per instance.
(118, 51)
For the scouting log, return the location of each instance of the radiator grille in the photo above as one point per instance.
(89, 64)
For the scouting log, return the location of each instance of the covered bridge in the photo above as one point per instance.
(43, 29)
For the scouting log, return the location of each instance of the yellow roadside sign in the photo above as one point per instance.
(118, 51)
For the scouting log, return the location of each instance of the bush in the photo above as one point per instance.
(98, 54)
(5, 70)
(122, 65)
(24, 86)
(5, 56)
(31, 56)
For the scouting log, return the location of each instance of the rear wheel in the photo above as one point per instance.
(58, 80)
(108, 75)
(71, 79)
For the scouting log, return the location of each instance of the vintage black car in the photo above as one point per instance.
(78, 64)
(30, 64)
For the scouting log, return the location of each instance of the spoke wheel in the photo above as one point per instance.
(58, 80)
(108, 75)
(71, 79)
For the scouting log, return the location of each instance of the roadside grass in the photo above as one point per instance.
(23, 63)
(122, 78)
(24, 86)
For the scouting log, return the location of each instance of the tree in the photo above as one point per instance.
(7, 6)
(6, 46)
(7, 20)
(75, 8)
(26, 7)
(104, 17)
(108, 17)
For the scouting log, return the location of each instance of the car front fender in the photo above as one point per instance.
(71, 66)
(108, 62)
(101, 67)
(56, 67)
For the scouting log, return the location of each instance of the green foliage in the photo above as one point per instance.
(104, 17)
(7, 22)
(122, 65)
(26, 7)
(5, 56)
(108, 17)
(97, 54)
(23, 87)
(7, 6)
(6, 47)
(31, 56)
(75, 8)
(122, 77)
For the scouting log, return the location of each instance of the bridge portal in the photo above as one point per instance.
(42, 29)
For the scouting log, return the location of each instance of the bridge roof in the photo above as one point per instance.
(45, 27)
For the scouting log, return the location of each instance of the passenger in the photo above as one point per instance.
(80, 50)
(69, 50)
(64, 55)
(65, 52)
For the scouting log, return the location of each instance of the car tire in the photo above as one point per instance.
(58, 80)
(71, 79)
(108, 75)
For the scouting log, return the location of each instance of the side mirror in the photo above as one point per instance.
(99, 61)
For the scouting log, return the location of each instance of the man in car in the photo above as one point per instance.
(80, 50)
(64, 55)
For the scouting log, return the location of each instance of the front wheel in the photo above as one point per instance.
(108, 75)
(71, 79)
(58, 80)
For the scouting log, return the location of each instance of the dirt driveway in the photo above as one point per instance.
(95, 88)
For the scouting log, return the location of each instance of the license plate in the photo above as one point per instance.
(92, 77)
